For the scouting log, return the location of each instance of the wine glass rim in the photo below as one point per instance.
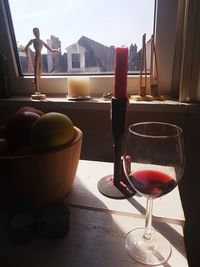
(178, 133)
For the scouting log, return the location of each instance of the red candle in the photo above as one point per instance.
(121, 69)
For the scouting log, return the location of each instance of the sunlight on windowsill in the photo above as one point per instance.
(97, 103)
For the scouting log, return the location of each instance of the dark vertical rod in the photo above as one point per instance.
(118, 117)
(117, 164)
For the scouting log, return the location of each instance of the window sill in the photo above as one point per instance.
(97, 103)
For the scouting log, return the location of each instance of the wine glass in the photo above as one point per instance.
(153, 162)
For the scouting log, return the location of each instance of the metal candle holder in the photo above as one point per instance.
(116, 186)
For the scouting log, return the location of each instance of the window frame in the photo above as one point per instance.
(190, 67)
(57, 85)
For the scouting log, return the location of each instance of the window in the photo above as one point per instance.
(76, 61)
(78, 27)
(164, 29)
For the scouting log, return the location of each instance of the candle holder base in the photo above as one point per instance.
(107, 188)
(79, 98)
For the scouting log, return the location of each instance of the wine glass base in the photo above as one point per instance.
(155, 251)
(108, 189)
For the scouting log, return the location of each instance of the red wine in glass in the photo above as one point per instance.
(153, 162)
(152, 182)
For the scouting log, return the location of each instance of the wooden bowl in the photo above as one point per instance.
(39, 179)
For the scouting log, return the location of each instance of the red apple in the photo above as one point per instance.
(19, 126)
(27, 108)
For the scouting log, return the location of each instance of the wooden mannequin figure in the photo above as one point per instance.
(38, 45)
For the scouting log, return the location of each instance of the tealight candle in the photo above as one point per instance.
(78, 87)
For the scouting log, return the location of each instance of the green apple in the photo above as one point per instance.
(51, 130)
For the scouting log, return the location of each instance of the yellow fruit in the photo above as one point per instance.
(51, 130)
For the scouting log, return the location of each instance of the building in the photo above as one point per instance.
(76, 58)
(135, 57)
(53, 59)
(90, 56)
(97, 55)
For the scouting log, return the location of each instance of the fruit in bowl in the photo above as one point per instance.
(18, 126)
(31, 109)
(42, 174)
(51, 130)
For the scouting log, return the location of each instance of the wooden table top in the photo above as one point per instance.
(97, 228)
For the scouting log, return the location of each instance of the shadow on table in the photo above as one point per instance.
(165, 229)
(94, 240)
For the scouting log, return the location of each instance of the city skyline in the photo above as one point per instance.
(86, 55)
(73, 20)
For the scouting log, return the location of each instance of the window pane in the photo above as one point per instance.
(86, 33)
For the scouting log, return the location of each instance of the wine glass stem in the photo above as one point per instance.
(148, 218)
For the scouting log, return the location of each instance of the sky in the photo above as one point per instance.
(109, 22)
